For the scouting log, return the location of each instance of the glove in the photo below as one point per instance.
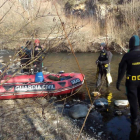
(97, 62)
(118, 85)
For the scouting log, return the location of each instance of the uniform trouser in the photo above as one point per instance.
(102, 71)
(25, 62)
(133, 95)
(38, 67)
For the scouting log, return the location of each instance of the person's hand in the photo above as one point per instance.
(118, 86)
(34, 65)
(97, 62)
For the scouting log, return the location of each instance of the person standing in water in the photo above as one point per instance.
(130, 64)
(103, 65)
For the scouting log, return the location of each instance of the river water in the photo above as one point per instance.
(56, 62)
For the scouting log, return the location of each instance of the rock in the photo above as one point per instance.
(67, 106)
(95, 93)
(100, 133)
(121, 102)
(52, 99)
(91, 128)
(42, 101)
(118, 113)
(101, 102)
(78, 111)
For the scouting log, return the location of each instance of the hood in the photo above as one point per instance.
(134, 42)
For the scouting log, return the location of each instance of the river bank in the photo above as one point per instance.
(48, 119)
(65, 48)
(86, 24)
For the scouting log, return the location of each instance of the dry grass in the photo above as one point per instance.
(35, 119)
(39, 20)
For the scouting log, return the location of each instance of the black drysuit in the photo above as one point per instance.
(25, 56)
(103, 63)
(130, 64)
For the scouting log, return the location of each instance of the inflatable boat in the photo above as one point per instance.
(27, 86)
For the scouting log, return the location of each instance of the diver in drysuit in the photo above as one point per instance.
(103, 65)
(130, 64)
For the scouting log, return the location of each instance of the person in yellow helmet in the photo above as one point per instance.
(103, 65)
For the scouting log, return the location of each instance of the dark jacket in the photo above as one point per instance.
(130, 64)
(105, 57)
(24, 54)
(38, 54)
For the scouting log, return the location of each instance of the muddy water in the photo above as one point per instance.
(55, 62)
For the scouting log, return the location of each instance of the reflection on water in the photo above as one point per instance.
(109, 98)
(119, 125)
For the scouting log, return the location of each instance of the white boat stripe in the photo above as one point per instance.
(43, 92)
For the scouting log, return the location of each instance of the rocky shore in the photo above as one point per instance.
(51, 119)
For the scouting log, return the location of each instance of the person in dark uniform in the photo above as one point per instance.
(25, 56)
(130, 64)
(103, 65)
(38, 56)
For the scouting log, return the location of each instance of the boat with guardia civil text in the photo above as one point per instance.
(27, 86)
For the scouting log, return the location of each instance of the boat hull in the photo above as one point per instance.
(11, 90)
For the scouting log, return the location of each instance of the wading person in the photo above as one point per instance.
(103, 65)
(130, 64)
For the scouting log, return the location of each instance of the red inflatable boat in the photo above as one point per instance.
(24, 86)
